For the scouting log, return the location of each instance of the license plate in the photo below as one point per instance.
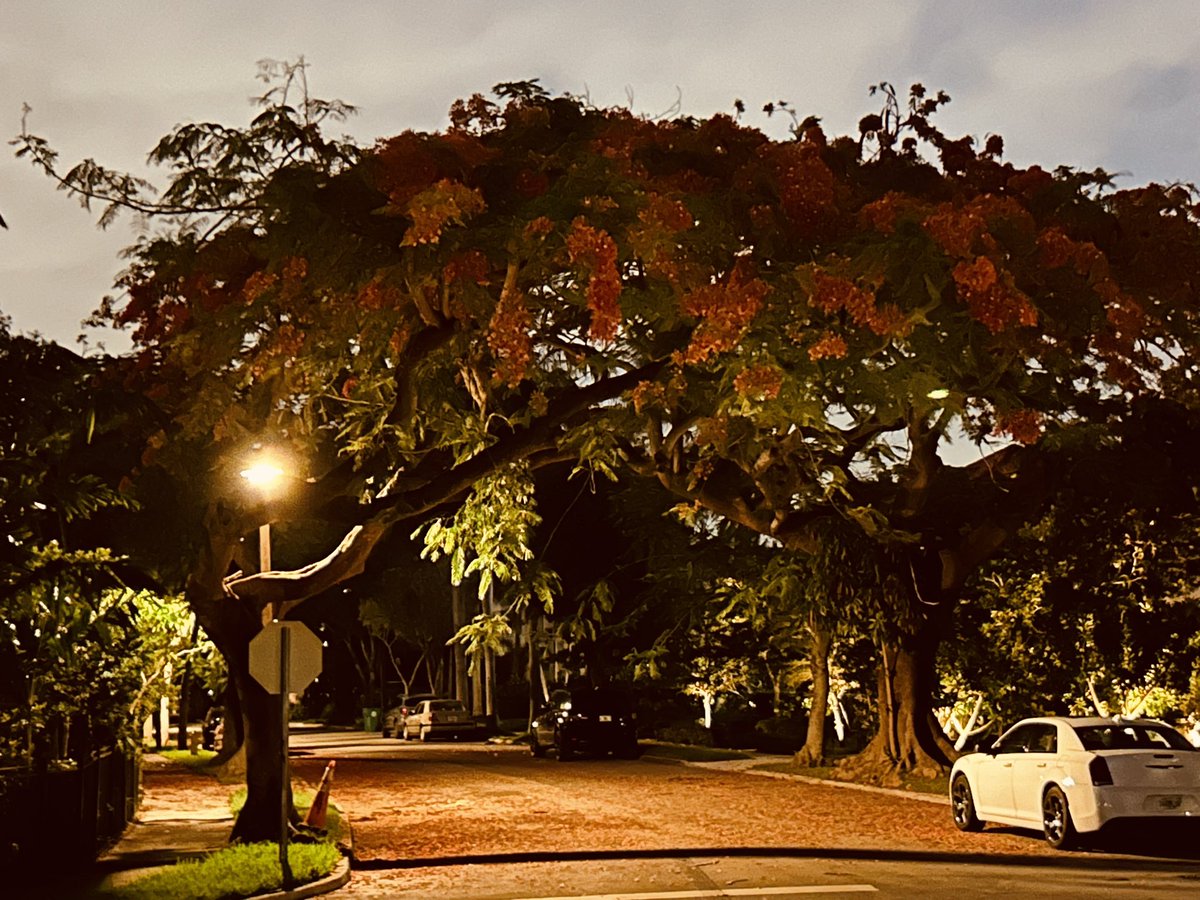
(606, 718)
(1172, 802)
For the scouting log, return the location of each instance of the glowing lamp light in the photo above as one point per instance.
(938, 394)
(262, 474)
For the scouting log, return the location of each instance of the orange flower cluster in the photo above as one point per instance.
(433, 209)
(508, 337)
(663, 212)
(1023, 425)
(956, 230)
(828, 345)
(647, 394)
(993, 300)
(833, 294)
(881, 215)
(653, 239)
(258, 284)
(470, 265)
(286, 342)
(595, 251)
(1055, 249)
(759, 382)
(1123, 312)
(806, 185)
(539, 227)
(295, 270)
(375, 295)
(726, 311)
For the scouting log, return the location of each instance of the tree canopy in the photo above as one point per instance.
(783, 332)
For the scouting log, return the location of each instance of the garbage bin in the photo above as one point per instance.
(370, 718)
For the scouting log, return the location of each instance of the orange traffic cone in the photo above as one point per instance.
(316, 813)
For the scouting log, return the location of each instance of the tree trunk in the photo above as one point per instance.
(909, 740)
(458, 608)
(820, 645)
(258, 819)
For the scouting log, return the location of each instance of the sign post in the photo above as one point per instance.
(285, 657)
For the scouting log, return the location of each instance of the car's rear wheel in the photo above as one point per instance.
(535, 746)
(963, 805)
(1056, 819)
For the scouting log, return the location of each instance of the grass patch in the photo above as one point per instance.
(694, 752)
(240, 871)
(198, 760)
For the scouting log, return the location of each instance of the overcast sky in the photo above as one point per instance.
(1072, 82)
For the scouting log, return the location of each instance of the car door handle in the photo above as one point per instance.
(1041, 765)
(1007, 765)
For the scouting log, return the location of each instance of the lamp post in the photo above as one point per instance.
(264, 473)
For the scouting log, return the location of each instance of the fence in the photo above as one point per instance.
(66, 817)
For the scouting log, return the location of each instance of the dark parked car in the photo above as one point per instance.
(586, 720)
(393, 719)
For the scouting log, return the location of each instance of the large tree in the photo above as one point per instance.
(795, 325)
(897, 292)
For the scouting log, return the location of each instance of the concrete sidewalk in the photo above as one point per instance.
(184, 814)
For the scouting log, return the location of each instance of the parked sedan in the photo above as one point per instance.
(1069, 776)
(439, 718)
(393, 719)
(585, 720)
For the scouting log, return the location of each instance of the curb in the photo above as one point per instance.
(748, 767)
(339, 877)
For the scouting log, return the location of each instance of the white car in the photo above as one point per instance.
(1068, 776)
(437, 718)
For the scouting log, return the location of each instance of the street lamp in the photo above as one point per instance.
(264, 474)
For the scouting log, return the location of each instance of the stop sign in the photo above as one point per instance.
(304, 656)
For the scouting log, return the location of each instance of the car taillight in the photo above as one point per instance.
(1098, 770)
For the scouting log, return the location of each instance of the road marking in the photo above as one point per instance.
(728, 892)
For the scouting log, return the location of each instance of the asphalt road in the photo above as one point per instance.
(479, 822)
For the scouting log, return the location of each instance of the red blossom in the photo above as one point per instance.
(1023, 425)
(470, 265)
(992, 299)
(828, 345)
(509, 337)
(595, 252)
(726, 311)
(433, 209)
(760, 382)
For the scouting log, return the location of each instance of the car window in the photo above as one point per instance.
(603, 700)
(1127, 736)
(446, 704)
(1046, 740)
(1034, 737)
